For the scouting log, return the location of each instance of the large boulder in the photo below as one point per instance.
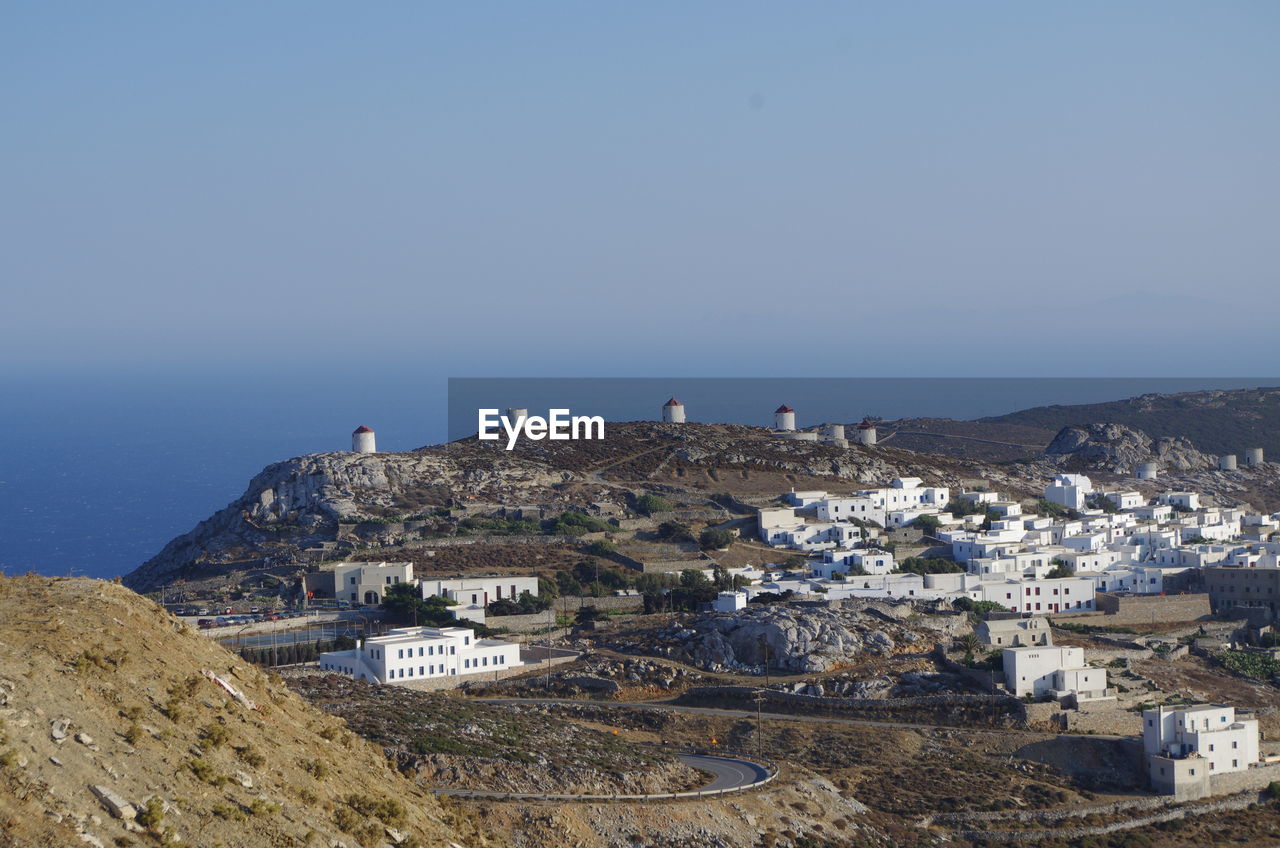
(1120, 449)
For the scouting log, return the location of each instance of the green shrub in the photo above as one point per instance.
(712, 539)
(228, 812)
(206, 772)
(648, 504)
(151, 814)
(387, 810)
(316, 768)
(250, 757)
(347, 819)
(214, 736)
(260, 807)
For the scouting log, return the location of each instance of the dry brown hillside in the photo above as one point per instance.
(107, 701)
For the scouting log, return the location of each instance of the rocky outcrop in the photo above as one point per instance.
(1120, 449)
(300, 502)
(808, 640)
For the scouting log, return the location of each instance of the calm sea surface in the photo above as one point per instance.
(96, 476)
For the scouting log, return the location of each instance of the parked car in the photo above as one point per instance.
(204, 623)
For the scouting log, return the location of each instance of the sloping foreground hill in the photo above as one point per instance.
(121, 726)
(1218, 422)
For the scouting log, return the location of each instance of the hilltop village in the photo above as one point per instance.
(897, 647)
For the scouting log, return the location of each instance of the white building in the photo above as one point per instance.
(673, 412)
(363, 440)
(906, 493)
(730, 601)
(1185, 500)
(418, 653)
(847, 509)
(1015, 632)
(1059, 594)
(1187, 746)
(367, 582)
(480, 591)
(1069, 490)
(1056, 671)
(784, 418)
(870, 560)
(1125, 500)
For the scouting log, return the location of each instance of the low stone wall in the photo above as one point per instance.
(838, 703)
(661, 566)
(1235, 802)
(1104, 717)
(1258, 777)
(1141, 609)
(236, 630)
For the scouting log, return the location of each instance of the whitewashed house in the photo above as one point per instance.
(367, 582)
(1015, 632)
(1187, 746)
(420, 653)
(1056, 671)
(480, 591)
(1125, 500)
(730, 601)
(1185, 500)
(1069, 490)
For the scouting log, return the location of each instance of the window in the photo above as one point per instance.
(420, 671)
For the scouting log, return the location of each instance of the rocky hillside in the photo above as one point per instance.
(1216, 422)
(449, 741)
(1120, 449)
(808, 640)
(313, 500)
(121, 726)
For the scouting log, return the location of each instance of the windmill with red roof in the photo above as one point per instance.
(784, 418)
(362, 440)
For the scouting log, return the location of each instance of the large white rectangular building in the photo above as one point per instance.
(417, 653)
(480, 591)
(1052, 670)
(1187, 746)
(367, 582)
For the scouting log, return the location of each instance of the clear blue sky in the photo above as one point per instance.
(550, 188)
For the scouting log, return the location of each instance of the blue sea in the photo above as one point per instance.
(97, 475)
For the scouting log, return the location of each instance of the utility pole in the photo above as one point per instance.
(759, 725)
(765, 644)
(551, 626)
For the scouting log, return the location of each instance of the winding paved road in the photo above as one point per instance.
(729, 774)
